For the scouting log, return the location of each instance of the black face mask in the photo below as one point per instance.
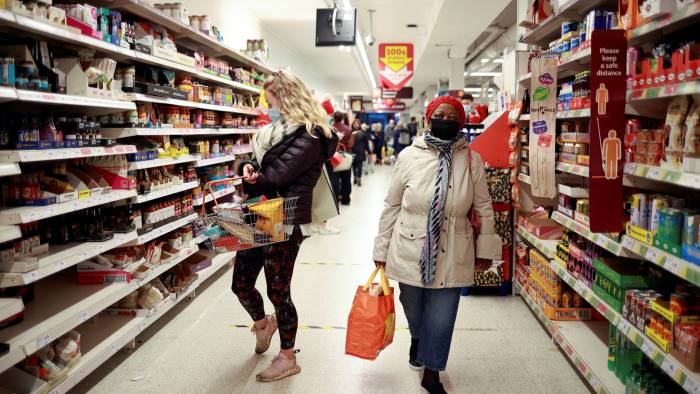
(444, 129)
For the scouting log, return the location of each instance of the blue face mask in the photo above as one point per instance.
(274, 114)
(467, 108)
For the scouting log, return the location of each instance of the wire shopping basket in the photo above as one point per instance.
(233, 227)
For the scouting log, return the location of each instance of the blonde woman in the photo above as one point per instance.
(289, 154)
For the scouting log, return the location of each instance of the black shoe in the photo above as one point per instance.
(412, 363)
(359, 183)
(431, 382)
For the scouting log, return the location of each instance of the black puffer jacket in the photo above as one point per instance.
(291, 169)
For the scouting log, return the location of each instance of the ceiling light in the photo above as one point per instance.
(485, 60)
(490, 89)
(466, 73)
(498, 60)
(473, 90)
(341, 47)
(490, 94)
(425, 103)
(411, 25)
(486, 74)
(476, 95)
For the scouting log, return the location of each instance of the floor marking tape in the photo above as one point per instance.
(314, 327)
(336, 264)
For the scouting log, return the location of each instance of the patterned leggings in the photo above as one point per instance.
(278, 261)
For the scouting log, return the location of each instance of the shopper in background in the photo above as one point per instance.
(342, 128)
(389, 133)
(377, 138)
(360, 149)
(469, 108)
(425, 238)
(412, 127)
(289, 154)
(402, 138)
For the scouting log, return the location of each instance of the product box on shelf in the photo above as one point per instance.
(137, 312)
(686, 345)
(640, 234)
(614, 276)
(115, 181)
(691, 253)
(544, 228)
(91, 273)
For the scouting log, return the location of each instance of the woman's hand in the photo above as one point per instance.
(380, 264)
(249, 174)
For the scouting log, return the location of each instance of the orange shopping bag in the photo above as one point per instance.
(372, 319)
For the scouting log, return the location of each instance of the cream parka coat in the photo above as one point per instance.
(403, 224)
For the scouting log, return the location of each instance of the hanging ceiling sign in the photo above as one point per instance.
(395, 65)
(607, 130)
(389, 105)
(405, 93)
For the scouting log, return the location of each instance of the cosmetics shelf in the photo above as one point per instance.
(217, 194)
(57, 258)
(600, 239)
(572, 169)
(584, 343)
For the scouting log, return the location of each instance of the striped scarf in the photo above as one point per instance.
(436, 214)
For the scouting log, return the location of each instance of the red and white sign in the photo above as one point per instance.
(395, 65)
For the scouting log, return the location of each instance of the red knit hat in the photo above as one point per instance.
(447, 100)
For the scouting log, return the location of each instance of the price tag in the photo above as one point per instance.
(669, 367)
(29, 277)
(653, 255)
(43, 341)
(119, 149)
(59, 266)
(85, 151)
(82, 318)
(674, 266)
(579, 288)
(142, 326)
(654, 173)
(690, 386)
(624, 326)
(648, 349)
(115, 347)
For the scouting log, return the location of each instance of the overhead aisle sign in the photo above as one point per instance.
(608, 83)
(395, 65)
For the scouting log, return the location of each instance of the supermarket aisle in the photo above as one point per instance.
(205, 346)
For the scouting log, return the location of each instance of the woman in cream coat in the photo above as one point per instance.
(425, 238)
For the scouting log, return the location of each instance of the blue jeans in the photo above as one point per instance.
(431, 315)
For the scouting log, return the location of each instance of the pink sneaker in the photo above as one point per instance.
(280, 368)
(263, 336)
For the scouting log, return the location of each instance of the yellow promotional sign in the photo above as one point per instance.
(395, 65)
(396, 57)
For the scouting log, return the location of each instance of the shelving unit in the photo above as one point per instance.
(154, 195)
(61, 305)
(680, 19)
(572, 169)
(548, 248)
(58, 258)
(132, 132)
(680, 178)
(583, 343)
(217, 194)
(600, 239)
(574, 114)
(676, 265)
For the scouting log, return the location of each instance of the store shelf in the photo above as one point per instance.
(550, 29)
(164, 229)
(44, 29)
(547, 247)
(524, 118)
(154, 195)
(572, 169)
(33, 155)
(8, 233)
(183, 33)
(10, 306)
(7, 94)
(680, 178)
(60, 257)
(684, 17)
(584, 343)
(135, 131)
(525, 78)
(600, 239)
(242, 149)
(140, 165)
(574, 114)
(676, 265)
(689, 380)
(572, 64)
(190, 104)
(48, 317)
(109, 334)
(524, 178)
(7, 169)
(664, 92)
(215, 160)
(46, 98)
(217, 194)
(30, 214)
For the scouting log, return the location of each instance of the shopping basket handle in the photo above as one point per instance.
(208, 186)
(384, 281)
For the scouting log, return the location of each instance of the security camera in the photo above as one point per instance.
(370, 40)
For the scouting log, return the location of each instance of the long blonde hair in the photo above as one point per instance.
(296, 102)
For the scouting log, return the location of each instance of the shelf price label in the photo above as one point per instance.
(654, 173)
(624, 326)
(43, 341)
